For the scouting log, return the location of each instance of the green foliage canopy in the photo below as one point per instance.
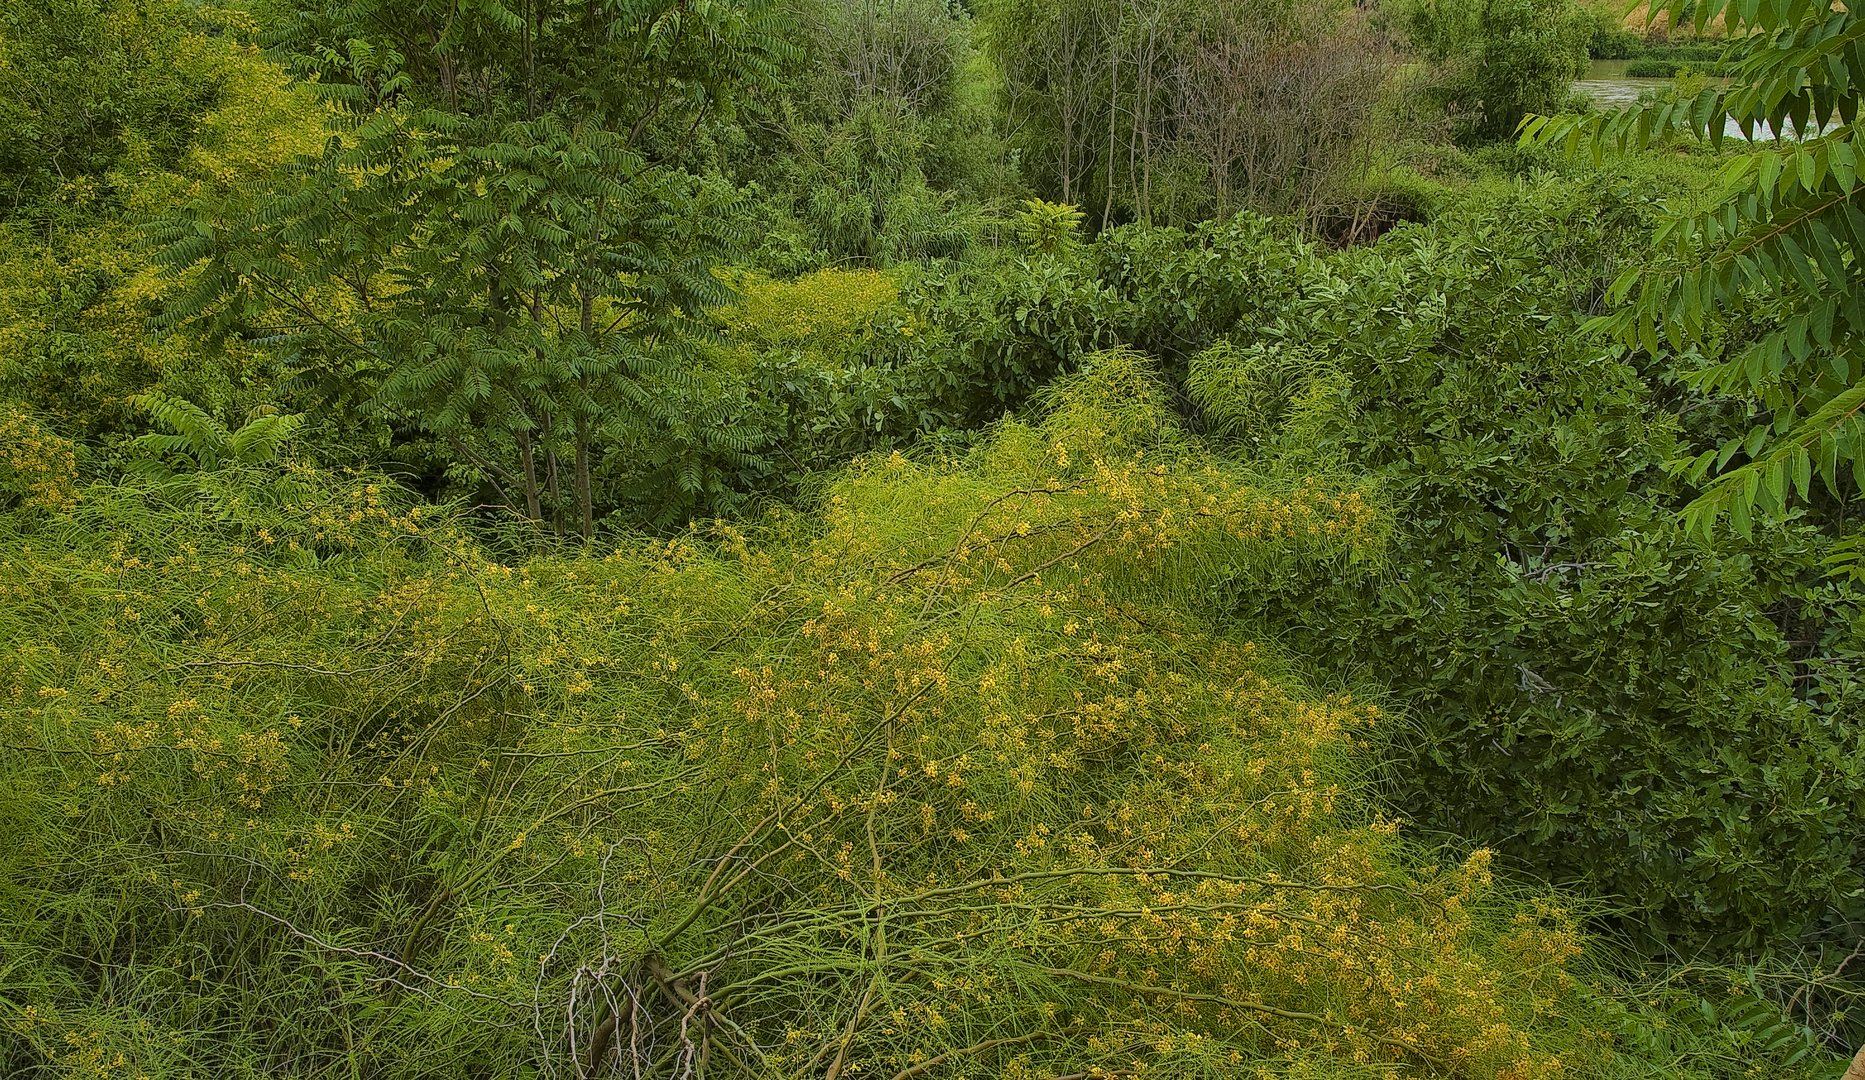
(1778, 243)
(1596, 693)
(1181, 110)
(87, 86)
(1499, 60)
(498, 239)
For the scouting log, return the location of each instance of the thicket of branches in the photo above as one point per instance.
(1175, 111)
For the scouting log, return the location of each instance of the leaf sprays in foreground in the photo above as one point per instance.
(1764, 277)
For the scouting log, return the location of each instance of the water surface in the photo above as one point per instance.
(1611, 88)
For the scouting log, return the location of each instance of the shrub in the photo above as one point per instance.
(909, 785)
(1612, 41)
(862, 189)
(38, 469)
(1499, 60)
(1606, 700)
(1666, 69)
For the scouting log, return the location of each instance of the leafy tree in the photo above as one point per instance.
(1780, 242)
(906, 52)
(501, 236)
(1048, 228)
(1499, 60)
(860, 184)
(86, 84)
(882, 144)
(1606, 700)
(128, 109)
(1274, 104)
(1052, 56)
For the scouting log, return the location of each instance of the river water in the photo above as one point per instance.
(1611, 88)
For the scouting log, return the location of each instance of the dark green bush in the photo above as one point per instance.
(1496, 61)
(1611, 41)
(1609, 702)
(1667, 69)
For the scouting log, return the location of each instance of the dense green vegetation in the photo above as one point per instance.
(895, 538)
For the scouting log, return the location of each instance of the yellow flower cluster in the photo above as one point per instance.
(362, 514)
(36, 466)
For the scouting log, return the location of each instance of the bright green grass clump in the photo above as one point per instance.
(825, 310)
(950, 780)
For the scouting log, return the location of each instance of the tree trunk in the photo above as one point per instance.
(585, 497)
(1113, 115)
(585, 503)
(545, 430)
(550, 474)
(532, 509)
(1857, 1071)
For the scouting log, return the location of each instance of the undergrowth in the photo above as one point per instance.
(953, 778)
